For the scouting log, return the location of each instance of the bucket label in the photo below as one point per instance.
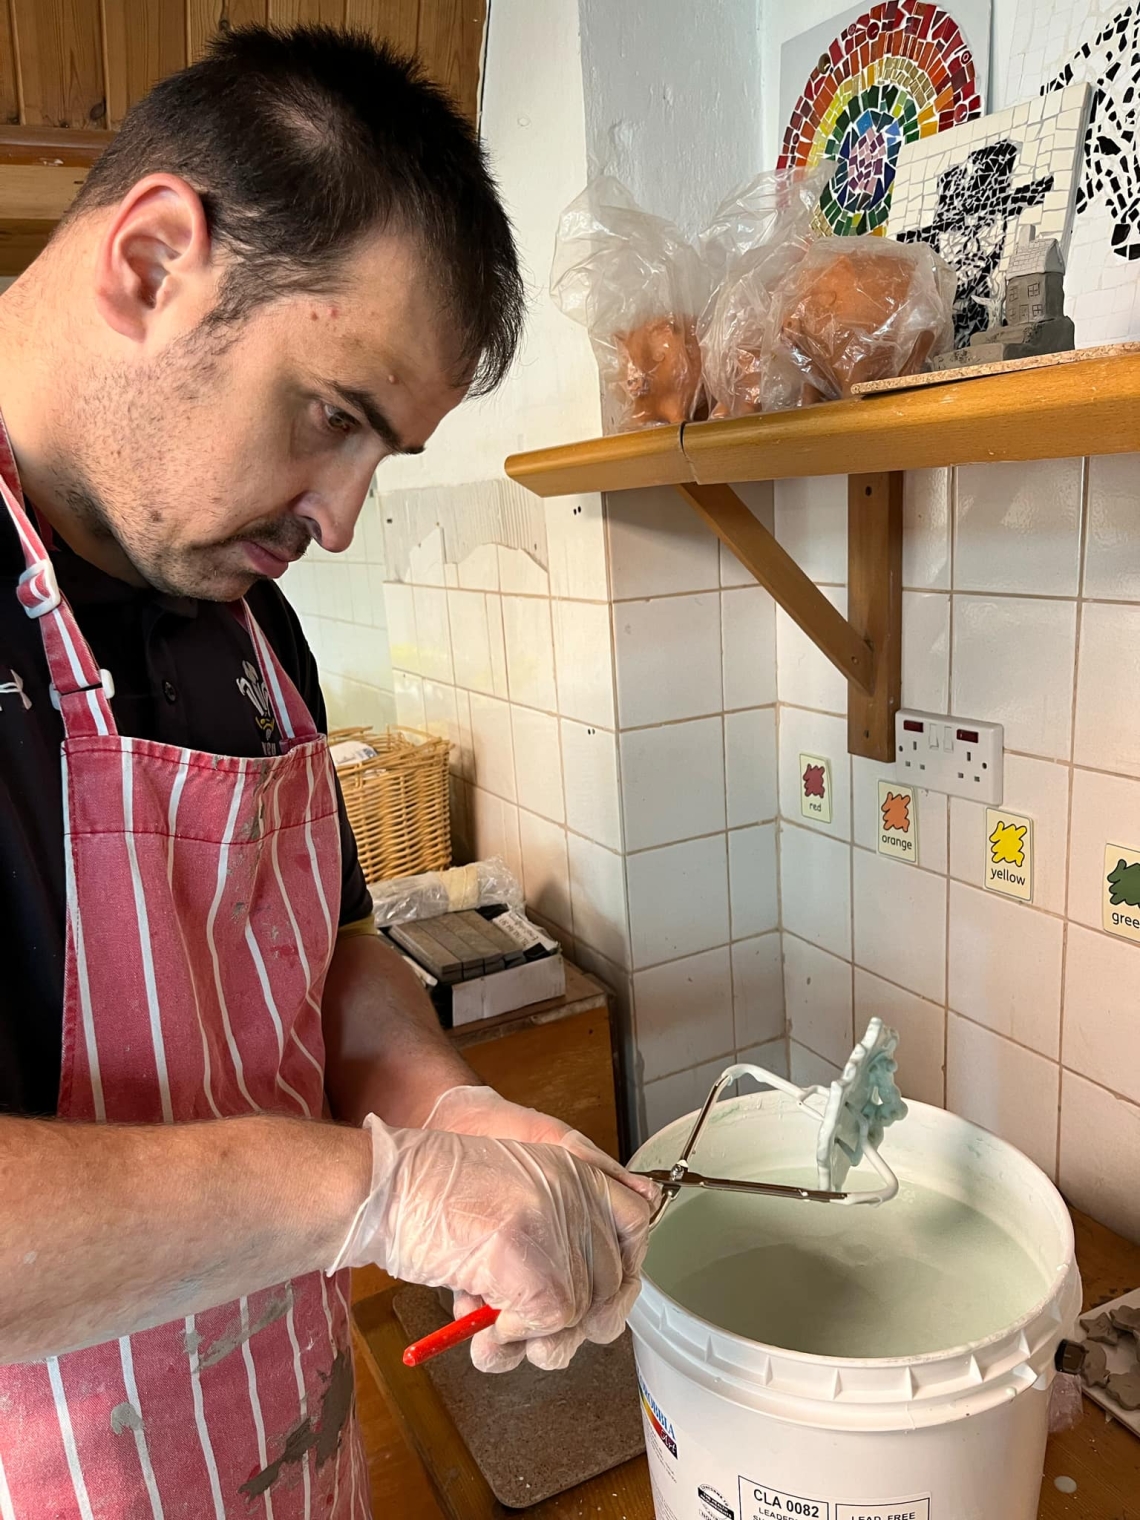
(897, 1509)
(714, 1506)
(759, 1502)
(656, 1418)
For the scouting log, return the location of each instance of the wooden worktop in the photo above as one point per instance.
(409, 1428)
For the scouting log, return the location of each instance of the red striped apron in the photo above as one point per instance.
(200, 925)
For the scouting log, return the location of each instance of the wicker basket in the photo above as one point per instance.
(399, 802)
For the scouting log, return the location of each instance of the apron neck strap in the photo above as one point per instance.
(79, 688)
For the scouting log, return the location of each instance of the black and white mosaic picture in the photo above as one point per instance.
(977, 202)
(968, 190)
(1058, 43)
(1111, 62)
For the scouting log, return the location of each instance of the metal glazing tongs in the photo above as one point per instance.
(852, 1113)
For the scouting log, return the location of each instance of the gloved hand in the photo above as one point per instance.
(482, 1111)
(530, 1229)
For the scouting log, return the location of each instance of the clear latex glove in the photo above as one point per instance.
(530, 1229)
(482, 1111)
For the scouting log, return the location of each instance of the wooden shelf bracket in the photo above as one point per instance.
(865, 646)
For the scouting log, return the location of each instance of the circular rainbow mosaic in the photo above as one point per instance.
(902, 71)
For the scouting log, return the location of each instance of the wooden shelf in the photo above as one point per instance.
(652, 457)
(1087, 406)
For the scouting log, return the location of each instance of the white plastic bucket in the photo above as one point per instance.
(740, 1430)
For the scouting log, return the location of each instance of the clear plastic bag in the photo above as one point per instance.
(757, 235)
(855, 309)
(637, 285)
(479, 885)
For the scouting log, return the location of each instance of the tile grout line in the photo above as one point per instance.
(636, 1096)
(779, 832)
(952, 502)
(1085, 508)
(851, 876)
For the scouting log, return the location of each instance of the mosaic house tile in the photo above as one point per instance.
(968, 190)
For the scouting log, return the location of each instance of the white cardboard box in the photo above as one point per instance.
(485, 997)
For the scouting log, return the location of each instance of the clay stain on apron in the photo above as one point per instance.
(277, 1307)
(324, 1438)
(125, 1417)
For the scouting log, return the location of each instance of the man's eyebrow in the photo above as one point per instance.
(374, 416)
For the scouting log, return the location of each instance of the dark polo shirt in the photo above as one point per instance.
(185, 674)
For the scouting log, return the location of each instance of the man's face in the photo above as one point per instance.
(215, 462)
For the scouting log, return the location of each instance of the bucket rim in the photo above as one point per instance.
(814, 1359)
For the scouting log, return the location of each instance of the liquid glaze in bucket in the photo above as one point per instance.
(893, 1363)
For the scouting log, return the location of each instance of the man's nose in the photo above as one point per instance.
(331, 511)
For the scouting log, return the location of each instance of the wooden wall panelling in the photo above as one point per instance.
(394, 21)
(59, 52)
(52, 146)
(9, 94)
(31, 192)
(205, 17)
(299, 12)
(450, 46)
(145, 40)
(20, 243)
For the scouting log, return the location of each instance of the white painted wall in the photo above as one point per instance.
(672, 96)
(533, 126)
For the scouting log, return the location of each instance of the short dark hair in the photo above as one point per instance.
(302, 142)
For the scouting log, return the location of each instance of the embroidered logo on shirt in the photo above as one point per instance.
(252, 686)
(14, 688)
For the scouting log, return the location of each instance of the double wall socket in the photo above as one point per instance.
(959, 756)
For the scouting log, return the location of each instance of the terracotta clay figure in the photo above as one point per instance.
(660, 370)
(857, 309)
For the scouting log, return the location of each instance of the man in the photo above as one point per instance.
(290, 264)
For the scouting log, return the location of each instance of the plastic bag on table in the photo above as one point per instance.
(756, 236)
(636, 284)
(855, 309)
(479, 885)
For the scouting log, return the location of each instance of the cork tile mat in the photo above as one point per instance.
(532, 1433)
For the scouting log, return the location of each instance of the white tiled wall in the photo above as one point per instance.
(694, 648)
(628, 718)
(1022, 604)
(508, 654)
(614, 721)
(340, 601)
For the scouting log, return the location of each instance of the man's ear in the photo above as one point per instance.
(155, 248)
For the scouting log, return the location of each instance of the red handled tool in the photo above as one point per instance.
(455, 1334)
